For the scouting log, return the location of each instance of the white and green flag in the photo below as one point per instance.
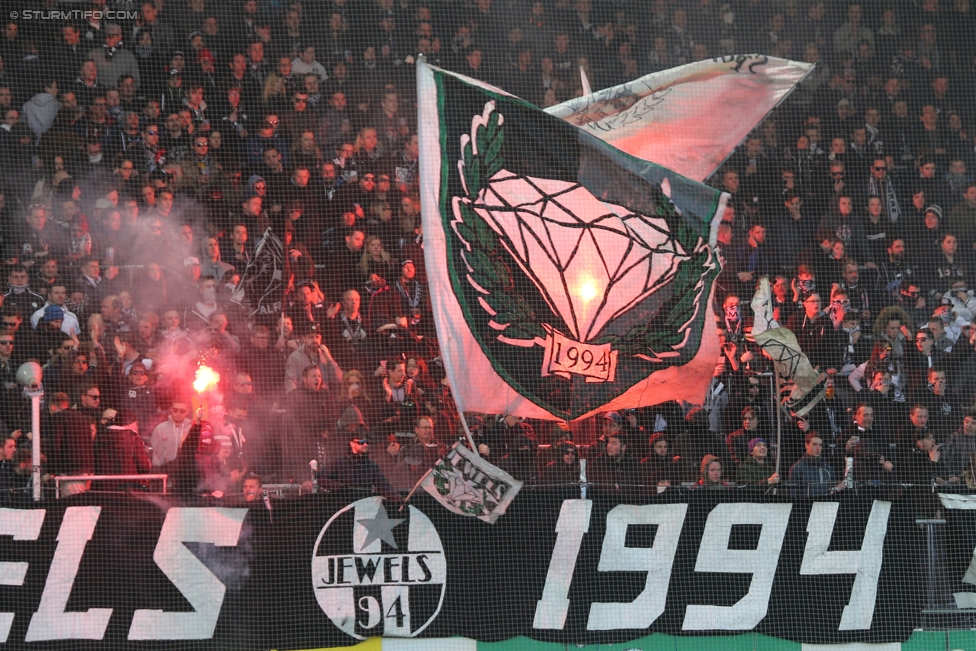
(689, 118)
(567, 277)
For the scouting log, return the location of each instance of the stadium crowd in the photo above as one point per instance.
(142, 160)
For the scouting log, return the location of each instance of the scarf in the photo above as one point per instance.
(109, 52)
(885, 190)
(353, 331)
(412, 301)
(144, 51)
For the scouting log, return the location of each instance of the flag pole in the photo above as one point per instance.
(464, 424)
(467, 432)
(779, 421)
(413, 490)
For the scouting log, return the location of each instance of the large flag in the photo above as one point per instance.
(261, 288)
(566, 276)
(689, 118)
(468, 485)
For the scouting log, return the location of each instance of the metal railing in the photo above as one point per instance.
(63, 478)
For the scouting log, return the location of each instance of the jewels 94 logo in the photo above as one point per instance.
(379, 573)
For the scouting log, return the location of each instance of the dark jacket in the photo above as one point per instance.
(917, 468)
(613, 474)
(357, 471)
(813, 477)
(67, 440)
(753, 473)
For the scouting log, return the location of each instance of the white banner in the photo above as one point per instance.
(689, 118)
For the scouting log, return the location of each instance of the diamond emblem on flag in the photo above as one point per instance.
(590, 259)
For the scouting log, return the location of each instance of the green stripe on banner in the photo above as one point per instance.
(854, 646)
(919, 641)
(655, 642)
(935, 641)
(962, 640)
(436, 644)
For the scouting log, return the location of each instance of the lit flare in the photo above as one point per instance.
(206, 379)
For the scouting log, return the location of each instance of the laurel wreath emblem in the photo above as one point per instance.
(489, 264)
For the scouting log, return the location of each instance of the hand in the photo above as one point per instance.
(871, 265)
(220, 323)
(852, 443)
(333, 310)
(324, 353)
(112, 272)
(119, 347)
(746, 357)
(904, 331)
(294, 253)
(483, 450)
(953, 480)
(774, 479)
(803, 424)
(887, 465)
(934, 455)
(393, 449)
(744, 276)
(664, 483)
(17, 433)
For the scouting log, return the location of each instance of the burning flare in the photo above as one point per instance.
(206, 379)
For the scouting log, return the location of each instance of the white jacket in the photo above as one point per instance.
(166, 439)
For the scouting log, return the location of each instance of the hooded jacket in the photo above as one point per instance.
(40, 112)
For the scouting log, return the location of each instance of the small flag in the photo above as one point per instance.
(261, 288)
(809, 384)
(468, 485)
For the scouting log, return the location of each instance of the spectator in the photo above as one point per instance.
(812, 475)
(754, 471)
(356, 470)
(614, 471)
(711, 473)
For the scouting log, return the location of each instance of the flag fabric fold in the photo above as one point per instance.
(690, 118)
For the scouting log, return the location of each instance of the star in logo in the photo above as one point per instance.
(380, 527)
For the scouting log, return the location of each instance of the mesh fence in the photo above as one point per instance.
(590, 328)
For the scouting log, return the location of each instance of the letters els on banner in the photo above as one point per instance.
(555, 567)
